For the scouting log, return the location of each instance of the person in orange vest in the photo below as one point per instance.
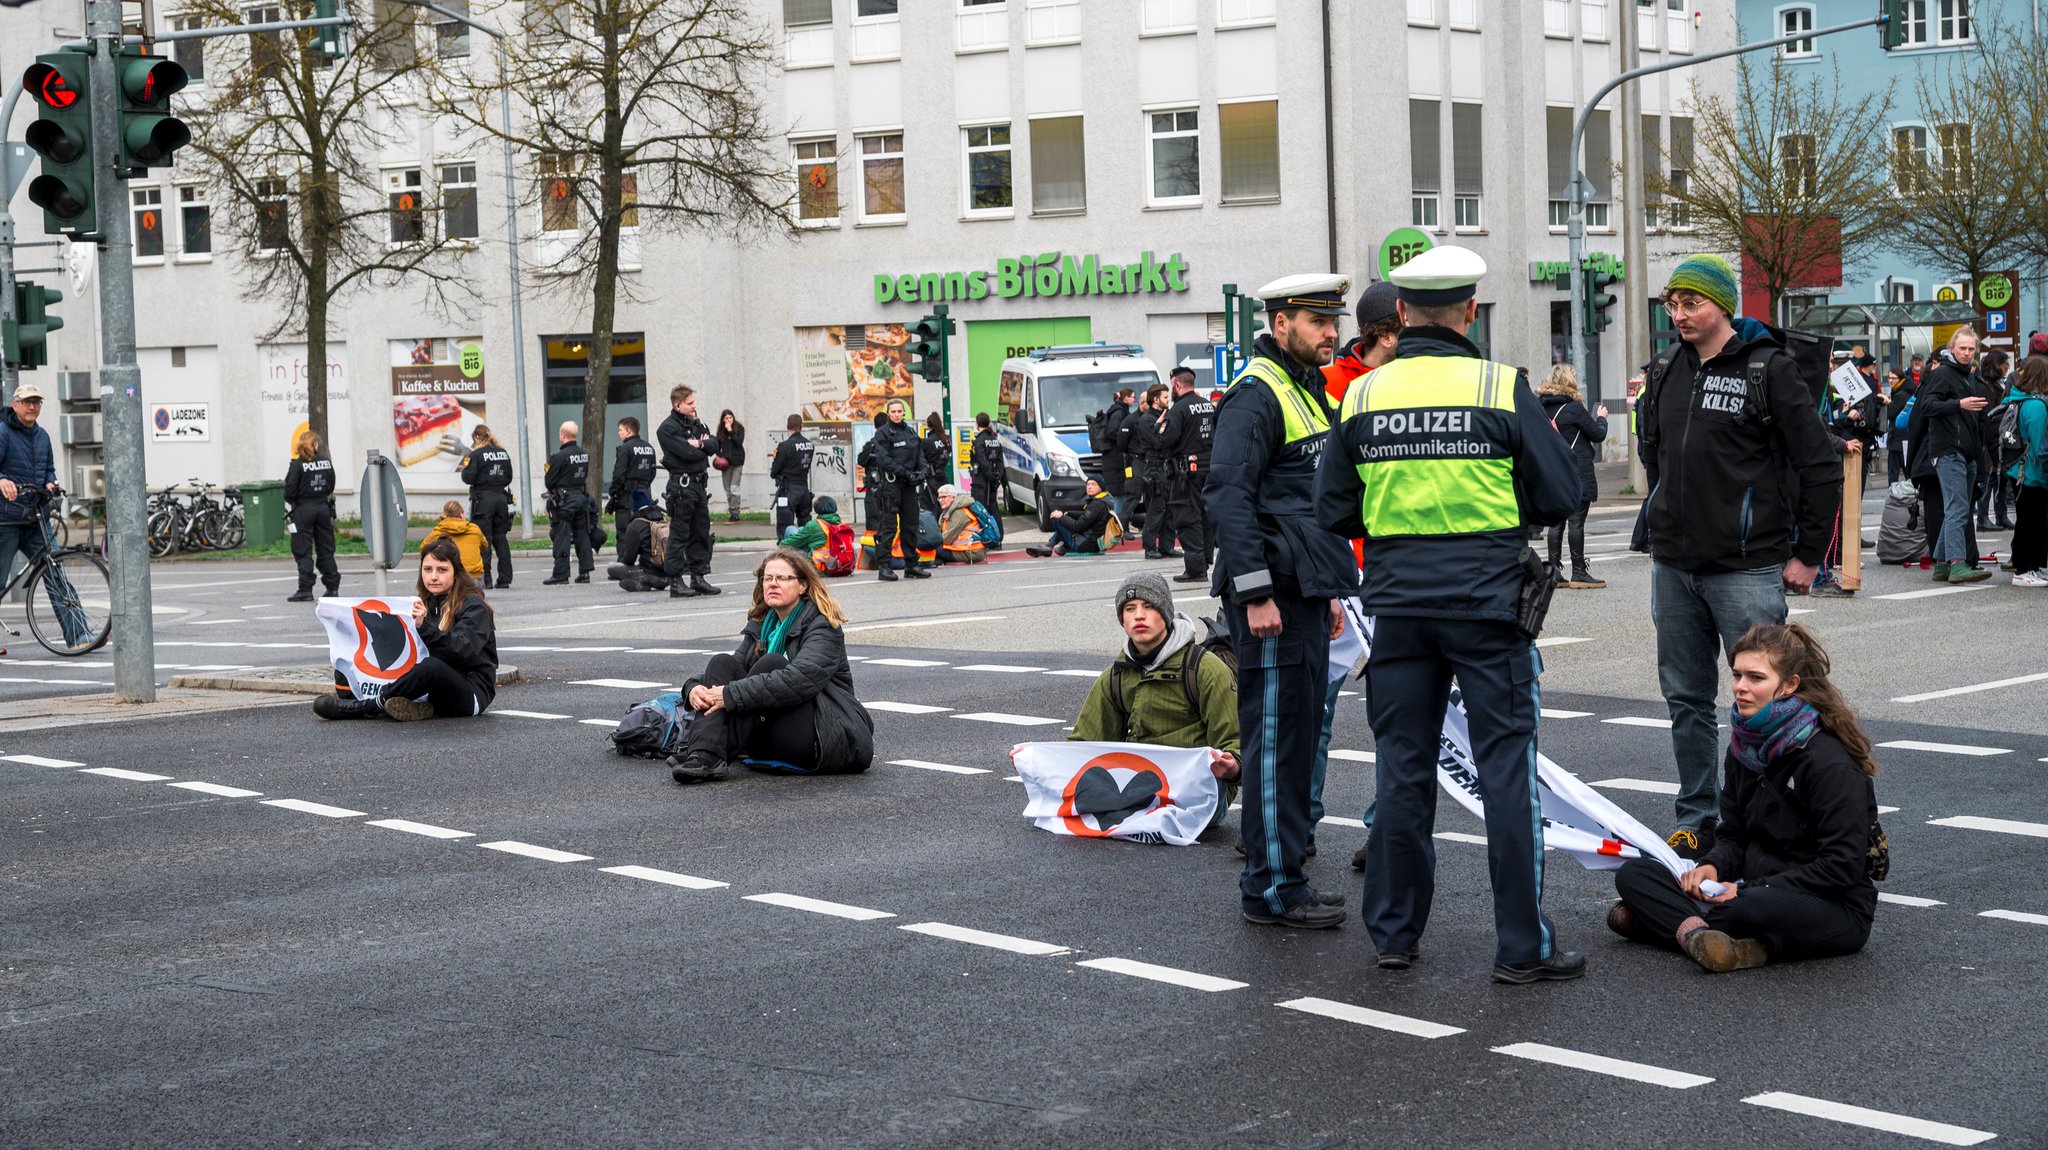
(960, 531)
(1379, 329)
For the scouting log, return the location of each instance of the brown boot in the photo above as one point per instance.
(1582, 580)
(1720, 952)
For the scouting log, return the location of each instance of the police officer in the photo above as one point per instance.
(570, 510)
(1439, 462)
(790, 472)
(988, 473)
(632, 472)
(686, 447)
(309, 511)
(487, 469)
(1187, 435)
(1279, 576)
(1148, 471)
(896, 466)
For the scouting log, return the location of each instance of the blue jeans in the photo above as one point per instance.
(1954, 471)
(1063, 534)
(1699, 618)
(27, 541)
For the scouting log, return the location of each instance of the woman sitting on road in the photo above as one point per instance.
(960, 530)
(783, 700)
(1798, 816)
(459, 676)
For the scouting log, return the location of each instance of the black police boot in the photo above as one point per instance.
(1309, 915)
(336, 707)
(702, 586)
(1151, 554)
(915, 572)
(1170, 553)
(681, 590)
(554, 580)
(886, 574)
(302, 595)
(1559, 967)
(333, 589)
(1192, 577)
(583, 578)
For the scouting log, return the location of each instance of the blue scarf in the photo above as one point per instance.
(1779, 726)
(774, 630)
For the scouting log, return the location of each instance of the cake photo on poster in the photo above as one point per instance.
(437, 402)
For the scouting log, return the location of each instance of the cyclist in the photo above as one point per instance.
(27, 462)
(309, 511)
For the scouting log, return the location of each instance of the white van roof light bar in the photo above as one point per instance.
(1086, 351)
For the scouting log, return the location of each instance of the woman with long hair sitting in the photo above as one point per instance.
(783, 700)
(459, 675)
(1791, 862)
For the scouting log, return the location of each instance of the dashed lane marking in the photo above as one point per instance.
(924, 765)
(1972, 689)
(667, 651)
(1365, 1016)
(1166, 974)
(1638, 721)
(525, 714)
(819, 906)
(1355, 756)
(119, 773)
(428, 829)
(304, 807)
(974, 937)
(1460, 837)
(1004, 668)
(622, 684)
(545, 854)
(1341, 821)
(1928, 593)
(1075, 674)
(939, 622)
(2015, 916)
(1560, 641)
(906, 708)
(40, 761)
(1883, 810)
(1907, 899)
(599, 722)
(666, 877)
(906, 662)
(217, 789)
(1602, 1064)
(1555, 713)
(1945, 748)
(1891, 1123)
(1008, 719)
(1649, 786)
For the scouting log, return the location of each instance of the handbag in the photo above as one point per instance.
(721, 462)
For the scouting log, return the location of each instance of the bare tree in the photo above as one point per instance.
(1788, 175)
(639, 114)
(1961, 178)
(293, 140)
(2018, 128)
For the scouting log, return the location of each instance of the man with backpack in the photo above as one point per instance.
(985, 475)
(1744, 487)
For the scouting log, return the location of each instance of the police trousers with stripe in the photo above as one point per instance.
(1408, 683)
(1280, 689)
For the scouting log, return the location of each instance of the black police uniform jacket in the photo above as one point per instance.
(305, 480)
(791, 467)
(896, 451)
(1260, 493)
(567, 470)
(488, 469)
(469, 645)
(634, 466)
(680, 457)
(817, 670)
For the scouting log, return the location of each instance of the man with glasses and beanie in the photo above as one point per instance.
(1744, 487)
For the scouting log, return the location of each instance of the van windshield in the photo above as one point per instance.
(1068, 400)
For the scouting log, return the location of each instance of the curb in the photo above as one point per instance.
(287, 681)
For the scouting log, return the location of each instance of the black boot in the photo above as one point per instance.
(302, 595)
(695, 768)
(336, 707)
(888, 574)
(702, 586)
(680, 589)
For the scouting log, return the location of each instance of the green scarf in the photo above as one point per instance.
(775, 630)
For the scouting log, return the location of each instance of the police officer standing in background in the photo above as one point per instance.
(1115, 454)
(1279, 576)
(570, 511)
(308, 509)
(632, 472)
(895, 468)
(1187, 435)
(790, 472)
(487, 469)
(1147, 453)
(986, 470)
(686, 446)
(1442, 461)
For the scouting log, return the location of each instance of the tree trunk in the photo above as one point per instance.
(318, 235)
(604, 303)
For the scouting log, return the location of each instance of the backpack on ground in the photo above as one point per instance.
(1215, 643)
(1098, 431)
(1900, 537)
(653, 729)
(840, 553)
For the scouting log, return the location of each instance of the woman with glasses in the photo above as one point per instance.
(783, 700)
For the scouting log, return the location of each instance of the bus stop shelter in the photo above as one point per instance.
(1871, 322)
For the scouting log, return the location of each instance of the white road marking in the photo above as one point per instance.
(1800, 610)
(119, 773)
(599, 722)
(906, 708)
(524, 714)
(428, 829)
(1166, 974)
(1601, 1064)
(1074, 674)
(1928, 593)
(1883, 810)
(1945, 748)
(1008, 719)
(217, 789)
(545, 854)
(1364, 1016)
(1637, 721)
(502, 649)
(304, 807)
(949, 768)
(622, 684)
(819, 906)
(1069, 583)
(1460, 837)
(2015, 916)
(1611, 558)
(1354, 756)
(1648, 786)
(40, 761)
(668, 877)
(1553, 713)
(668, 651)
(906, 662)
(965, 934)
(1991, 686)
(1940, 1132)
(1341, 821)
(1004, 668)
(1907, 899)
(1560, 641)
(939, 622)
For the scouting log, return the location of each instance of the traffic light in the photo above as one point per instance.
(148, 131)
(1598, 299)
(1248, 321)
(327, 38)
(1891, 32)
(927, 348)
(62, 136)
(27, 337)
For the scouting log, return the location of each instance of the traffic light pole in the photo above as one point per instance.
(1576, 191)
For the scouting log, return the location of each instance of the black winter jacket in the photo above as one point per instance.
(305, 480)
(1939, 425)
(1583, 432)
(1088, 520)
(470, 644)
(733, 444)
(1813, 837)
(790, 466)
(818, 670)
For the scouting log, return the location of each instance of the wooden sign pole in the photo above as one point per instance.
(1852, 521)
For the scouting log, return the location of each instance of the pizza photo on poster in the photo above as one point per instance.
(851, 371)
(437, 403)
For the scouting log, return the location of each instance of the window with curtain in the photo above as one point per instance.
(1176, 146)
(1681, 170)
(881, 177)
(1425, 162)
(1557, 138)
(458, 201)
(1467, 172)
(1251, 150)
(394, 42)
(800, 13)
(1909, 159)
(817, 181)
(1059, 173)
(1597, 161)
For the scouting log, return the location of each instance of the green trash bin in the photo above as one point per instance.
(263, 511)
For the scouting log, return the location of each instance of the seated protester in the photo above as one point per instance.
(468, 537)
(811, 534)
(643, 544)
(784, 698)
(960, 532)
(1082, 529)
(1144, 696)
(459, 676)
(1797, 810)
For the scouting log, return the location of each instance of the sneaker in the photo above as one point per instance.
(1831, 591)
(1563, 966)
(1398, 960)
(2030, 579)
(336, 707)
(407, 710)
(1941, 572)
(1964, 573)
(1690, 842)
(1721, 952)
(697, 769)
(1309, 915)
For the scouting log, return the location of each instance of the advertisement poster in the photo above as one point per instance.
(284, 375)
(851, 372)
(437, 400)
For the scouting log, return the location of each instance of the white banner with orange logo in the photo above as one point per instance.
(1131, 791)
(370, 642)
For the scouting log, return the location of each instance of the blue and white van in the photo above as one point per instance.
(1044, 404)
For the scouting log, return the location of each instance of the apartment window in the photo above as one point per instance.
(1557, 19)
(1052, 22)
(1166, 16)
(629, 201)
(451, 37)
(1653, 165)
(1593, 19)
(1059, 170)
(809, 27)
(1914, 27)
(881, 177)
(817, 181)
(1953, 141)
(1677, 27)
(1792, 22)
(149, 222)
(877, 30)
(266, 49)
(1465, 14)
(1230, 12)
(1909, 159)
(864, 9)
(190, 54)
(1557, 138)
(1422, 13)
(1597, 161)
(1467, 171)
(1800, 155)
(273, 215)
(403, 189)
(988, 169)
(800, 13)
(1425, 163)
(1251, 150)
(458, 201)
(983, 24)
(1176, 147)
(1955, 21)
(195, 222)
(559, 208)
(394, 41)
(1681, 171)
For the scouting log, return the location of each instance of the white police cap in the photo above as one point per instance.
(1441, 275)
(1321, 292)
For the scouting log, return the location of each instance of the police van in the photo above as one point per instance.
(1044, 403)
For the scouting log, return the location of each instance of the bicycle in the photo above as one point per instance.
(73, 613)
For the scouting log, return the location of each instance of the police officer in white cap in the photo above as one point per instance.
(1440, 460)
(1279, 575)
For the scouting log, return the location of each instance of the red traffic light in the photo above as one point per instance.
(50, 86)
(150, 79)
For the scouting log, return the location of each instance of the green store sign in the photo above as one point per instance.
(1048, 276)
(1547, 271)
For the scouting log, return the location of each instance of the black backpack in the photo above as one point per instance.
(653, 729)
(1216, 642)
(2012, 442)
(1098, 431)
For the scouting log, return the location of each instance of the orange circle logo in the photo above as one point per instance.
(405, 202)
(1097, 794)
(149, 221)
(819, 179)
(558, 190)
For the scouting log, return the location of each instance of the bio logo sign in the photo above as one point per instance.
(1047, 276)
(472, 361)
(1994, 291)
(1400, 246)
